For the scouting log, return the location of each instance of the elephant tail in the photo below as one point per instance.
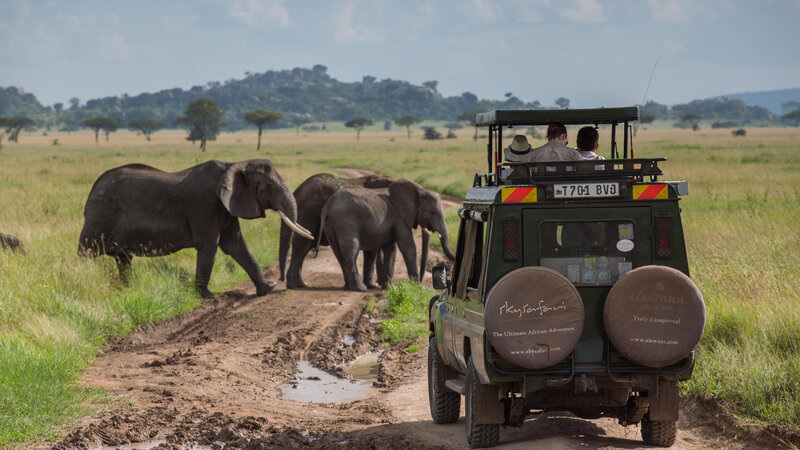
(283, 249)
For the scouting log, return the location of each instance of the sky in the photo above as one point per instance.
(593, 52)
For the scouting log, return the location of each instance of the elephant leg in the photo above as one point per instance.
(300, 248)
(346, 252)
(405, 242)
(232, 243)
(123, 266)
(386, 264)
(206, 253)
(369, 269)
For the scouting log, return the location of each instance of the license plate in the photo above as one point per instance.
(586, 190)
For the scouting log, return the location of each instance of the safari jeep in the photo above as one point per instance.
(570, 290)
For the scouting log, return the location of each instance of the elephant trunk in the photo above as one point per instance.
(423, 259)
(283, 202)
(283, 249)
(443, 236)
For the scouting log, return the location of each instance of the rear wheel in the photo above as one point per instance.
(478, 435)
(659, 433)
(445, 405)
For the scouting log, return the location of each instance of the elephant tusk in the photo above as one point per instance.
(295, 227)
(439, 234)
(426, 231)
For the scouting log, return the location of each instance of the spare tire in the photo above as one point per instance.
(654, 316)
(534, 317)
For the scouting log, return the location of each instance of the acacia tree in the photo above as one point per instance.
(97, 123)
(407, 121)
(358, 123)
(299, 122)
(562, 102)
(259, 118)
(203, 117)
(146, 126)
(14, 125)
(111, 125)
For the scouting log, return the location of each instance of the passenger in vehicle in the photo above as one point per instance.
(588, 142)
(519, 150)
(556, 147)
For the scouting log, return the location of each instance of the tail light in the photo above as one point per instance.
(663, 237)
(510, 239)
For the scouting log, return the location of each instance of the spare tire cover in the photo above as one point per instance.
(654, 315)
(534, 317)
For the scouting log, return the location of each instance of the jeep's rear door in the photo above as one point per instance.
(592, 247)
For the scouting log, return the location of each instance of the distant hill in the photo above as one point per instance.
(771, 100)
(15, 102)
(315, 95)
(308, 93)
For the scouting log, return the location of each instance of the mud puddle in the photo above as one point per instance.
(313, 385)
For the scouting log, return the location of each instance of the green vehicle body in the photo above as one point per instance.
(594, 380)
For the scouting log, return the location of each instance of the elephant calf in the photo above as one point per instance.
(311, 197)
(137, 210)
(356, 218)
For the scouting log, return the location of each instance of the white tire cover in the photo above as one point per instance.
(534, 317)
(654, 315)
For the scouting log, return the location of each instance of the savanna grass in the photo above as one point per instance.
(57, 309)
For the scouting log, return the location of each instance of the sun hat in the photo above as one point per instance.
(519, 150)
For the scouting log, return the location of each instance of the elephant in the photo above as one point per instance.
(355, 218)
(311, 197)
(137, 210)
(10, 242)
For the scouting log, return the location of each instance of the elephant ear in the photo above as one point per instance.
(236, 195)
(404, 196)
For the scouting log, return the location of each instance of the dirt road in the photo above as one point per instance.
(213, 377)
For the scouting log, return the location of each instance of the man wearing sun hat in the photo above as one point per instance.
(518, 151)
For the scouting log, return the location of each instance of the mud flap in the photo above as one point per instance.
(488, 407)
(664, 405)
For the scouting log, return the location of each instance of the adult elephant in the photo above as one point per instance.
(311, 197)
(356, 219)
(137, 210)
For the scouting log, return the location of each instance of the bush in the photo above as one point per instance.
(740, 132)
(431, 134)
(724, 124)
(451, 135)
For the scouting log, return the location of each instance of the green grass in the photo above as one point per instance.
(56, 310)
(407, 312)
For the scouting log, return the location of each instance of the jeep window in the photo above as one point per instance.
(469, 272)
(588, 253)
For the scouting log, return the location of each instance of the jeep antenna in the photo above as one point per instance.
(650, 79)
(645, 94)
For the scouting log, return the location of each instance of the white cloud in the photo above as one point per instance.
(673, 47)
(669, 10)
(351, 31)
(113, 46)
(260, 12)
(585, 11)
(485, 11)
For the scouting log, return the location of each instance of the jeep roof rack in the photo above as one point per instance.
(595, 116)
(498, 119)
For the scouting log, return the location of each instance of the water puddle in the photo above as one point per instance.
(317, 386)
(365, 367)
(348, 340)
